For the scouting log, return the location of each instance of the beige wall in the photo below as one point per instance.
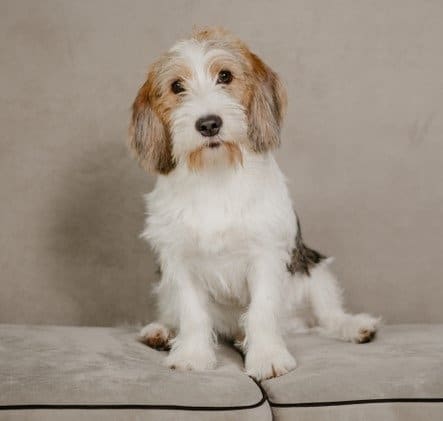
(363, 147)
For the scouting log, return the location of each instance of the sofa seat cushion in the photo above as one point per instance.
(71, 369)
(398, 375)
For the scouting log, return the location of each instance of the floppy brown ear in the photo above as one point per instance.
(266, 107)
(149, 138)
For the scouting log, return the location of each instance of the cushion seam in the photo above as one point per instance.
(354, 402)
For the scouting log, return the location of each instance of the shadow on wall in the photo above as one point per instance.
(102, 267)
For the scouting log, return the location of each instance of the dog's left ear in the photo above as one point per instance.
(266, 108)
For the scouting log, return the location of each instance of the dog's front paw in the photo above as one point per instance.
(262, 364)
(191, 357)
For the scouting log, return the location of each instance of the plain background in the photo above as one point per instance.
(362, 147)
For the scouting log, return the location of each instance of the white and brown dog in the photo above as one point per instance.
(233, 263)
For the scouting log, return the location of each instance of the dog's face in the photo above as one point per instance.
(204, 101)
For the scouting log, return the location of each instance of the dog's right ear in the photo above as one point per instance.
(149, 138)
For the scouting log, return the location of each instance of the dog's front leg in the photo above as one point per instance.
(193, 347)
(266, 353)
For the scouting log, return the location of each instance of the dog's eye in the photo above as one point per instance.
(177, 87)
(225, 77)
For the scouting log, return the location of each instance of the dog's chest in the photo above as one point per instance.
(204, 219)
(217, 244)
(216, 226)
(213, 232)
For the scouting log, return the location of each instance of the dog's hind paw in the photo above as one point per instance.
(156, 336)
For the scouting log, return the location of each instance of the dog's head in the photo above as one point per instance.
(204, 101)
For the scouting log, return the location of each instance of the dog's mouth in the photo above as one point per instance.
(214, 144)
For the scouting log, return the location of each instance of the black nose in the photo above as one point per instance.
(209, 125)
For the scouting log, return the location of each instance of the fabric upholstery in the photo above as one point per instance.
(78, 367)
(56, 365)
(397, 376)
(361, 148)
(343, 381)
(392, 411)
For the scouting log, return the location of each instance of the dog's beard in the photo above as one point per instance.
(215, 153)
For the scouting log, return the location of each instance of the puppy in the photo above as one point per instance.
(220, 219)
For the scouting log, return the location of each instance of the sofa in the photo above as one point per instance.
(363, 154)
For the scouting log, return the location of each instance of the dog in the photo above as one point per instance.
(220, 219)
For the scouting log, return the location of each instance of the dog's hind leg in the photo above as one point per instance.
(326, 300)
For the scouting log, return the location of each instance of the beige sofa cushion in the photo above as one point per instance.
(396, 377)
(65, 372)
(389, 411)
(55, 371)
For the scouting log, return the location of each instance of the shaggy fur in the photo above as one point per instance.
(228, 242)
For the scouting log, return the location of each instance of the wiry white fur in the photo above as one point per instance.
(224, 236)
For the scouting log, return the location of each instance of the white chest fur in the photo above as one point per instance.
(215, 221)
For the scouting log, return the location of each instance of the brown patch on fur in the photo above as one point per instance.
(207, 33)
(234, 153)
(239, 342)
(303, 258)
(196, 161)
(227, 62)
(255, 84)
(149, 132)
(239, 337)
(366, 335)
(158, 341)
(149, 135)
(266, 107)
